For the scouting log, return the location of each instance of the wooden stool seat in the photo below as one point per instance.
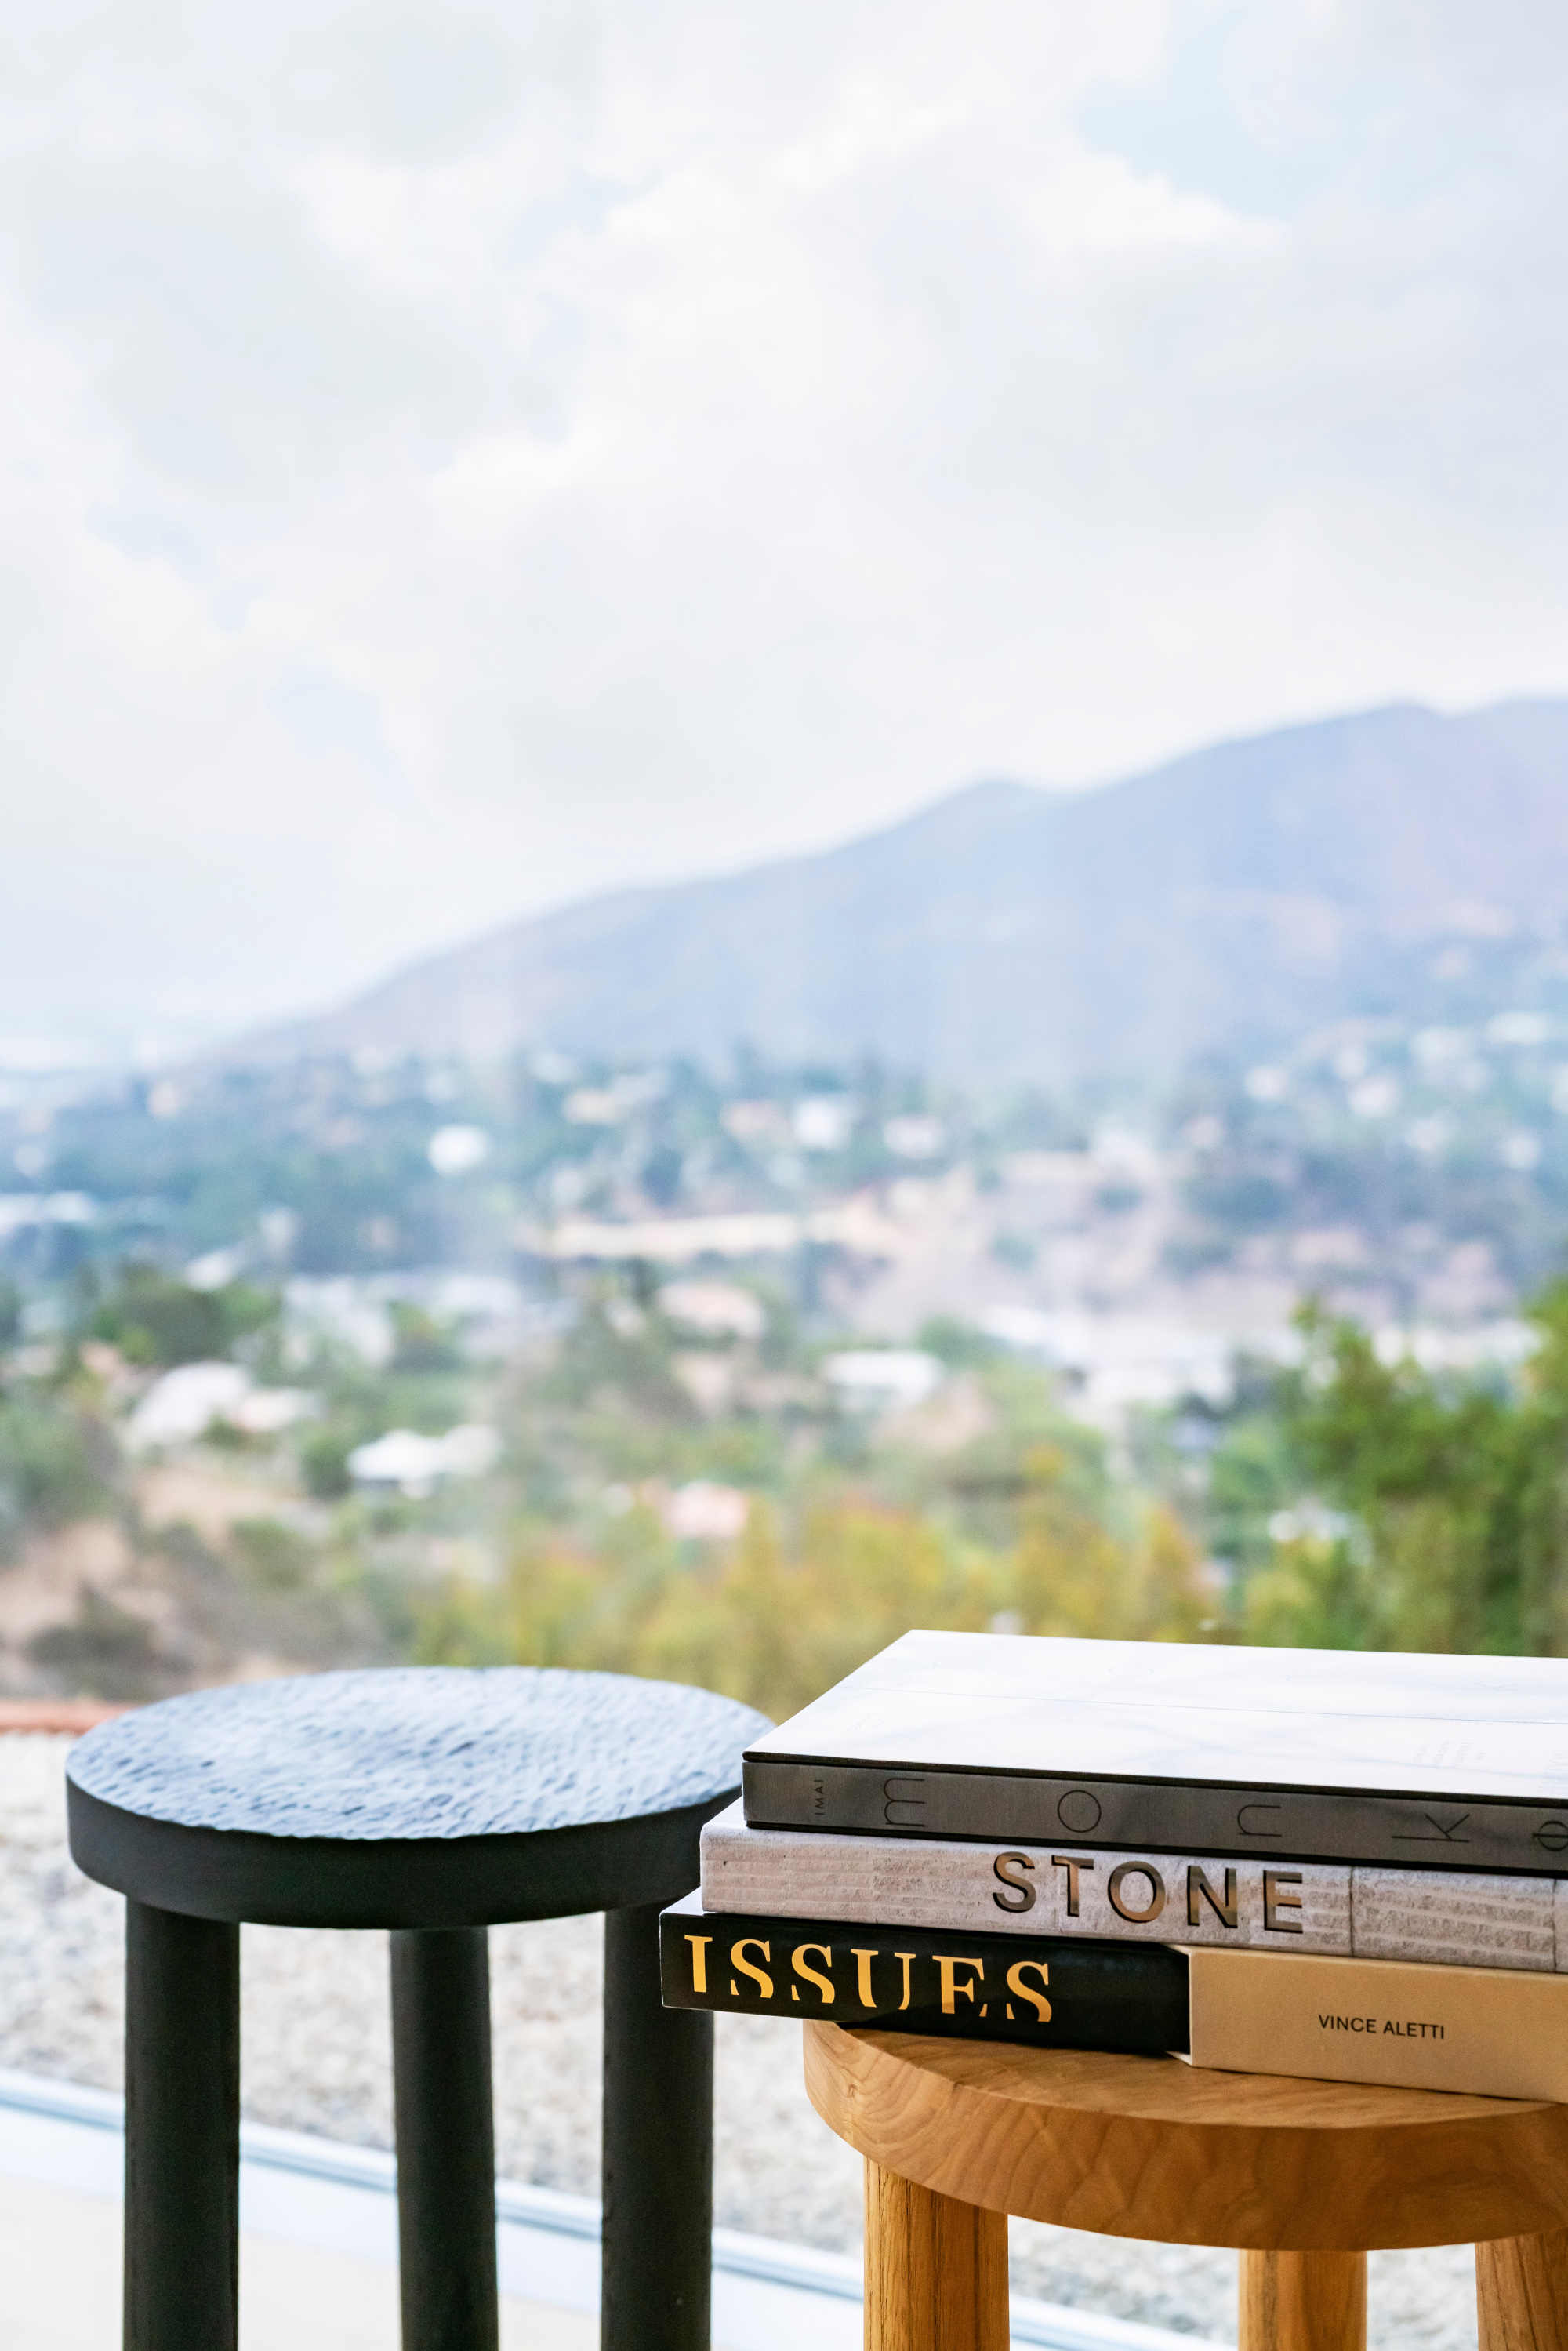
(1302, 2177)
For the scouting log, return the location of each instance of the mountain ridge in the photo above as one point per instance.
(1006, 933)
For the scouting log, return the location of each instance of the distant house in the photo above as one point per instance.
(824, 1122)
(913, 1135)
(882, 1379)
(667, 1240)
(1118, 1362)
(457, 1150)
(404, 1462)
(180, 1408)
(859, 1223)
(719, 1310)
(182, 1405)
(702, 1512)
(268, 1412)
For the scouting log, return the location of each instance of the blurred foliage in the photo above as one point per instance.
(1452, 1496)
(324, 1463)
(276, 1556)
(57, 1462)
(789, 1609)
(1356, 1502)
(958, 1344)
(156, 1319)
(422, 1342)
(104, 1649)
(1254, 1471)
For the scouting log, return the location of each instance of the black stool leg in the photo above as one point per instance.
(181, 2132)
(658, 2151)
(445, 2137)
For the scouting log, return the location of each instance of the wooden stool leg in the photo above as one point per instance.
(936, 2271)
(1521, 2293)
(656, 2255)
(1303, 2302)
(181, 2132)
(445, 2137)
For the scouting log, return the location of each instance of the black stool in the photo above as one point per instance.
(435, 1802)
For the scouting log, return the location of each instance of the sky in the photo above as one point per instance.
(458, 460)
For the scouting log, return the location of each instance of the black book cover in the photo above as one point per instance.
(1053, 1991)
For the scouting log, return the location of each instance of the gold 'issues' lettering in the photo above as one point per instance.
(952, 1989)
(808, 1974)
(1118, 1879)
(1200, 1890)
(1021, 1896)
(1025, 1991)
(1072, 1864)
(1274, 1901)
(906, 1956)
(699, 1944)
(862, 1960)
(760, 1976)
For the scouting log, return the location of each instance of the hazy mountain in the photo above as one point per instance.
(1233, 896)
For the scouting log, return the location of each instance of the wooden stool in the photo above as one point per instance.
(1302, 2176)
(433, 1803)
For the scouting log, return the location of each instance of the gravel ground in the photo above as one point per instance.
(316, 2059)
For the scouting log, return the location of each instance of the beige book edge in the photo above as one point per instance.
(1492, 2032)
(1438, 1918)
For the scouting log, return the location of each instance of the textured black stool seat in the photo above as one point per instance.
(433, 1803)
(428, 1797)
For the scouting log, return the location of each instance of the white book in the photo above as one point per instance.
(1434, 1762)
(1223, 1901)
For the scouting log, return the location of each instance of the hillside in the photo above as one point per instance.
(1227, 898)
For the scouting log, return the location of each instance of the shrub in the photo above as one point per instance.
(154, 1319)
(56, 1464)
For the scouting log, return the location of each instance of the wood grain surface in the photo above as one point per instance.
(1146, 2147)
(1521, 2293)
(1302, 2302)
(936, 2271)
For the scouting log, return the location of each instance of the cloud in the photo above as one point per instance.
(464, 460)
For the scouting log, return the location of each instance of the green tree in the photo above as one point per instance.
(154, 1319)
(1454, 1497)
(56, 1463)
(1073, 1574)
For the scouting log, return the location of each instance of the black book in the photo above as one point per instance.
(1048, 1990)
(1430, 1763)
(1490, 2032)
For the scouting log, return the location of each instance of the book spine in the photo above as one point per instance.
(1483, 2030)
(1154, 1816)
(1047, 1990)
(1430, 1917)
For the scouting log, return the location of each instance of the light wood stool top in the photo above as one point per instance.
(1302, 2177)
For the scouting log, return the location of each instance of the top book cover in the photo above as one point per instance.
(1443, 1761)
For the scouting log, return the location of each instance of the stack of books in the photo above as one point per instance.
(1301, 1862)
